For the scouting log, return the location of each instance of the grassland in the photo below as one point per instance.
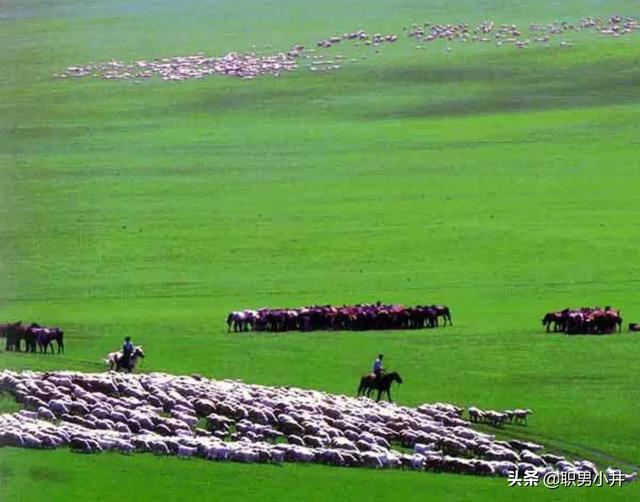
(500, 182)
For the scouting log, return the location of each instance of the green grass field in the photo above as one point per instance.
(500, 182)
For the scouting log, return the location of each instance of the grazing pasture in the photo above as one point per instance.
(502, 182)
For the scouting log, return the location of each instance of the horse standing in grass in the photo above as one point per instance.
(46, 337)
(14, 332)
(369, 382)
(444, 312)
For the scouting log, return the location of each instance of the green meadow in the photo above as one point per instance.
(501, 182)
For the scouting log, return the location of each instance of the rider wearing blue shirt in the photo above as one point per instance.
(378, 370)
(127, 352)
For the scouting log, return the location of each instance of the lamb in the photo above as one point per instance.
(502, 454)
(495, 418)
(45, 414)
(476, 414)
(551, 459)
(520, 416)
(343, 443)
(372, 460)
(11, 438)
(532, 458)
(504, 468)
(423, 449)
(186, 451)
(295, 440)
(522, 445)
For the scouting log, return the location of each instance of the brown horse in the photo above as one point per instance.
(369, 382)
(46, 337)
(444, 312)
(13, 332)
(554, 318)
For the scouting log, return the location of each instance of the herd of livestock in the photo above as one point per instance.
(35, 337)
(166, 415)
(251, 64)
(584, 321)
(361, 317)
(233, 64)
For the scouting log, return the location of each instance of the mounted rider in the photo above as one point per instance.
(378, 370)
(127, 352)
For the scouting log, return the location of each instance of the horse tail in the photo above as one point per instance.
(361, 387)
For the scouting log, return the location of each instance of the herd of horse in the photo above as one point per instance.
(359, 317)
(36, 338)
(585, 321)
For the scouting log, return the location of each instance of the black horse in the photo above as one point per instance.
(369, 383)
(13, 332)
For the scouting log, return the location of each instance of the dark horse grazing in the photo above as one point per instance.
(369, 382)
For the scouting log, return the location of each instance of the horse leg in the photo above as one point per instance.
(389, 394)
(379, 395)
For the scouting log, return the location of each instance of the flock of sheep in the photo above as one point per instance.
(359, 317)
(488, 31)
(251, 64)
(233, 64)
(190, 416)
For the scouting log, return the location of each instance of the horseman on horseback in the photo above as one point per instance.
(378, 370)
(127, 352)
(125, 359)
(378, 380)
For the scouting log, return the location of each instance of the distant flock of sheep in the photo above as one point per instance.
(359, 317)
(191, 416)
(251, 64)
(233, 64)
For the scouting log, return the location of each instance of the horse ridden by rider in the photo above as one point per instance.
(378, 380)
(125, 359)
